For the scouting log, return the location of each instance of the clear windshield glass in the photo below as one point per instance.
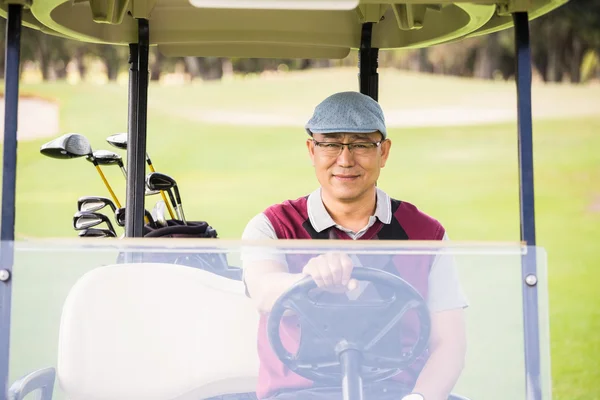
(171, 318)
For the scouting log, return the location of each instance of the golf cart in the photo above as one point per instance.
(142, 328)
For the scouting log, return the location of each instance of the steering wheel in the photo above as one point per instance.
(371, 327)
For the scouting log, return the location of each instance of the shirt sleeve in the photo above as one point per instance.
(260, 228)
(445, 290)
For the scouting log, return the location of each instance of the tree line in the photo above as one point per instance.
(565, 47)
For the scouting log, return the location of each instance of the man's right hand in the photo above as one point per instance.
(331, 272)
(267, 280)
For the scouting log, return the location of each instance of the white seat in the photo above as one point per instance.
(156, 331)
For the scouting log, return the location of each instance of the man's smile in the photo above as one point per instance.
(346, 177)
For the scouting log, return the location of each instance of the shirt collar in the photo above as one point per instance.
(321, 220)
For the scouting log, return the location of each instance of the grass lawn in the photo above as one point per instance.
(466, 176)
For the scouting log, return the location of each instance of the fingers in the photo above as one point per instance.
(331, 271)
(315, 268)
(335, 269)
(346, 267)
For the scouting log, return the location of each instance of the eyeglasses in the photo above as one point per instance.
(358, 148)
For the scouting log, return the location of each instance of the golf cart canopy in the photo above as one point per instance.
(275, 28)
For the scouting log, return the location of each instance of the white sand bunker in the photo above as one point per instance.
(38, 118)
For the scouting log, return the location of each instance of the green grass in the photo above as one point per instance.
(467, 177)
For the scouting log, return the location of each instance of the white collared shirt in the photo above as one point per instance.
(321, 220)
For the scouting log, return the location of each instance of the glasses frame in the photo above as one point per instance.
(349, 145)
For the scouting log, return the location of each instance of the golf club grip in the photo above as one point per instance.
(162, 192)
(114, 196)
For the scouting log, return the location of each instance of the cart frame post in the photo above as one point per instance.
(527, 207)
(138, 116)
(9, 179)
(367, 63)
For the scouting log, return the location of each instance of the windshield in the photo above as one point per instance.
(157, 318)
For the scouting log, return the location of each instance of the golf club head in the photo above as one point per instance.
(106, 157)
(159, 181)
(118, 140)
(94, 232)
(151, 192)
(86, 219)
(158, 213)
(70, 145)
(94, 203)
(120, 216)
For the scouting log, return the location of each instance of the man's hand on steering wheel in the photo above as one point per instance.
(332, 272)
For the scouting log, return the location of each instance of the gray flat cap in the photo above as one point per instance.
(351, 112)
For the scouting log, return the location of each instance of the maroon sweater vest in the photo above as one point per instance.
(290, 221)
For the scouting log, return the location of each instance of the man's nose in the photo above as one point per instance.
(345, 159)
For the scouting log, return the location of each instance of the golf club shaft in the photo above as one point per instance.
(162, 193)
(180, 211)
(179, 205)
(117, 203)
(146, 220)
(169, 191)
(111, 227)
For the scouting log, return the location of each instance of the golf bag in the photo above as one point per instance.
(177, 229)
(212, 262)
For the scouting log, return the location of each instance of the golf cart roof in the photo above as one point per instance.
(274, 28)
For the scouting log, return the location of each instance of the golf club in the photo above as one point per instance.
(120, 217)
(86, 219)
(94, 232)
(119, 140)
(74, 145)
(170, 193)
(105, 157)
(159, 181)
(158, 213)
(94, 203)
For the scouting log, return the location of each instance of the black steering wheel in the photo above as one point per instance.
(370, 327)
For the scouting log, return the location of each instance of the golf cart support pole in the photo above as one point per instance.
(136, 149)
(9, 176)
(527, 205)
(367, 63)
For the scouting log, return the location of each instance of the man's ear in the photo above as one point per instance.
(385, 151)
(310, 145)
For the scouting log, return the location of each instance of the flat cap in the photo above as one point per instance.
(350, 112)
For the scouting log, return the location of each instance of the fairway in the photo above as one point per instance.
(237, 147)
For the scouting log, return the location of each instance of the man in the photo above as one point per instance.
(348, 146)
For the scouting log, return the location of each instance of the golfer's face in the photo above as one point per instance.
(348, 164)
